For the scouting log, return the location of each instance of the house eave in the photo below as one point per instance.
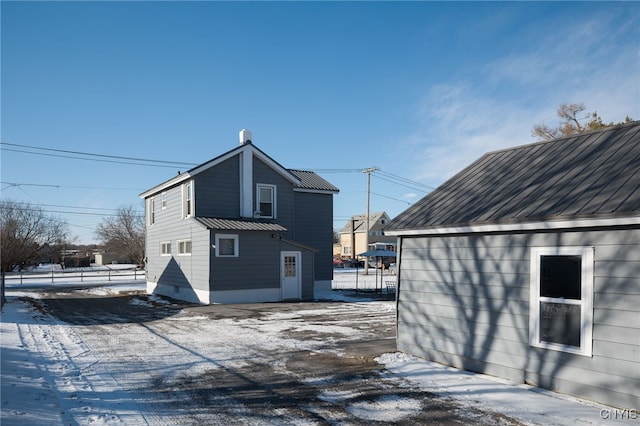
(166, 185)
(217, 160)
(315, 191)
(520, 227)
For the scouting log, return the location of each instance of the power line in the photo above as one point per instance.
(27, 209)
(391, 198)
(408, 181)
(19, 184)
(68, 212)
(88, 159)
(100, 157)
(401, 184)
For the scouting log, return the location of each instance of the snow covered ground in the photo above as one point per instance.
(53, 374)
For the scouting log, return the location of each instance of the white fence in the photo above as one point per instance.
(74, 276)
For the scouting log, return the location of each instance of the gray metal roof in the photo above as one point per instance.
(593, 175)
(310, 180)
(239, 225)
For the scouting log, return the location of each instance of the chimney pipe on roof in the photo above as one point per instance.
(245, 136)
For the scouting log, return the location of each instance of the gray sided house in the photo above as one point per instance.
(239, 228)
(526, 266)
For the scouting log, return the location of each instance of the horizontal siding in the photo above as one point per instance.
(217, 190)
(464, 301)
(314, 228)
(256, 267)
(176, 270)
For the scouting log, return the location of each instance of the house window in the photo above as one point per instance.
(165, 248)
(227, 245)
(152, 211)
(163, 203)
(187, 200)
(561, 305)
(266, 201)
(184, 247)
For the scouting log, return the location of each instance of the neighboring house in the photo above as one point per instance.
(526, 265)
(354, 234)
(239, 228)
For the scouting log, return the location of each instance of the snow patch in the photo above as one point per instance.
(388, 408)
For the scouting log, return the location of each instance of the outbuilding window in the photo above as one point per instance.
(561, 305)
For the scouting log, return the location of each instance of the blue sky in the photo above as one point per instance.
(418, 89)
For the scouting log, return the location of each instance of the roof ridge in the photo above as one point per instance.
(564, 138)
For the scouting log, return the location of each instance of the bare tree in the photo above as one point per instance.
(573, 122)
(26, 233)
(124, 234)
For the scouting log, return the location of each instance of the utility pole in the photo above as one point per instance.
(368, 171)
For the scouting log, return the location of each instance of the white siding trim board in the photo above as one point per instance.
(513, 227)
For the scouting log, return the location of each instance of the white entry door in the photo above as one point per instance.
(290, 273)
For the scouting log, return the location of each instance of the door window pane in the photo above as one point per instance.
(289, 266)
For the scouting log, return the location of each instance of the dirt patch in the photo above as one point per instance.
(273, 363)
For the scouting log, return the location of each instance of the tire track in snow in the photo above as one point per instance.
(86, 393)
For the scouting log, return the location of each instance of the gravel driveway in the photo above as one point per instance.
(270, 363)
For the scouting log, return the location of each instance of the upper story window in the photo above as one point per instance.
(163, 203)
(152, 211)
(266, 201)
(561, 303)
(187, 199)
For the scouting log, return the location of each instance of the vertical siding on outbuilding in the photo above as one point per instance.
(464, 301)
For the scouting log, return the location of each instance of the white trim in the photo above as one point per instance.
(245, 296)
(151, 216)
(247, 148)
(184, 191)
(187, 294)
(165, 186)
(162, 243)
(298, 265)
(529, 226)
(246, 182)
(585, 302)
(274, 198)
(163, 200)
(315, 191)
(184, 241)
(236, 244)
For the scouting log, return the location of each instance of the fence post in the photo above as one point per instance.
(52, 282)
(81, 276)
(109, 274)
